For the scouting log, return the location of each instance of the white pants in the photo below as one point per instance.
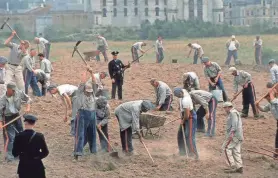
(233, 154)
(14, 74)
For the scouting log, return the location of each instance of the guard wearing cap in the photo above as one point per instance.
(14, 69)
(243, 79)
(128, 115)
(258, 42)
(232, 45)
(31, 148)
(3, 62)
(273, 71)
(10, 106)
(116, 71)
(233, 140)
(85, 121)
(164, 95)
(98, 86)
(191, 81)
(198, 52)
(213, 75)
(272, 106)
(188, 124)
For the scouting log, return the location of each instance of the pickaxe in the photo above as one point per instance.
(142, 54)
(6, 23)
(76, 49)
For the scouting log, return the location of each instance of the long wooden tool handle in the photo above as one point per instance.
(262, 154)
(184, 140)
(12, 121)
(82, 57)
(269, 151)
(258, 101)
(106, 138)
(148, 151)
(236, 95)
(13, 30)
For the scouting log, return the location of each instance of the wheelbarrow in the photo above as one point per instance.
(90, 55)
(150, 122)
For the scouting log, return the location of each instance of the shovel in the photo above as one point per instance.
(114, 153)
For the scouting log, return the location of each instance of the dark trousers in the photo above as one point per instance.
(249, 98)
(126, 139)
(160, 55)
(201, 112)
(276, 139)
(134, 54)
(166, 106)
(117, 84)
(220, 85)
(196, 57)
(102, 49)
(258, 55)
(47, 50)
(31, 80)
(85, 131)
(189, 131)
(33, 174)
(9, 133)
(230, 55)
(103, 142)
(43, 87)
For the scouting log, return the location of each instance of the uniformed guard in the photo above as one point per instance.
(164, 95)
(213, 75)
(128, 115)
(188, 124)
(3, 62)
(208, 108)
(243, 79)
(10, 106)
(31, 148)
(191, 81)
(233, 140)
(116, 71)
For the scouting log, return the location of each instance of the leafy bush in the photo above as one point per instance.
(268, 54)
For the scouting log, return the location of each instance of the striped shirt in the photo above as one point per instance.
(212, 70)
(201, 97)
(241, 79)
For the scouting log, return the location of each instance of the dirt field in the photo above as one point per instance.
(59, 163)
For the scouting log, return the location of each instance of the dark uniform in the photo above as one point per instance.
(116, 72)
(31, 148)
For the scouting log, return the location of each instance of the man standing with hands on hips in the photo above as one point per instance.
(116, 71)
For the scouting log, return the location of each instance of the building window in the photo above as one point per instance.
(263, 11)
(274, 13)
(252, 13)
(125, 2)
(146, 12)
(115, 12)
(157, 2)
(135, 2)
(146, 2)
(191, 9)
(165, 2)
(157, 11)
(114, 2)
(231, 13)
(135, 11)
(125, 12)
(104, 12)
(243, 22)
(230, 5)
(243, 14)
(200, 9)
(263, 2)
(219, 18)
(247, 13)
(104, 2)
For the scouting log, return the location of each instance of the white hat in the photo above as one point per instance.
(232, 69)
(233, 36)
(227, 104)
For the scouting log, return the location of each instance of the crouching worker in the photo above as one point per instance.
(85, 121)
(102, 115)
(233, 140)
(128, 115)
(188, 124)
(42, 79)
(31, 148)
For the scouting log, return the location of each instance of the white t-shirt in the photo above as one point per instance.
(232, 46)
(138, 45)
(186, 101)
(66, 88)
(196, 46)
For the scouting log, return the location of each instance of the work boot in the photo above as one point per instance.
(230, 170)
(243, 115)
(240, 170)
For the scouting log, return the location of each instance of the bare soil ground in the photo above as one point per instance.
(60, 164)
